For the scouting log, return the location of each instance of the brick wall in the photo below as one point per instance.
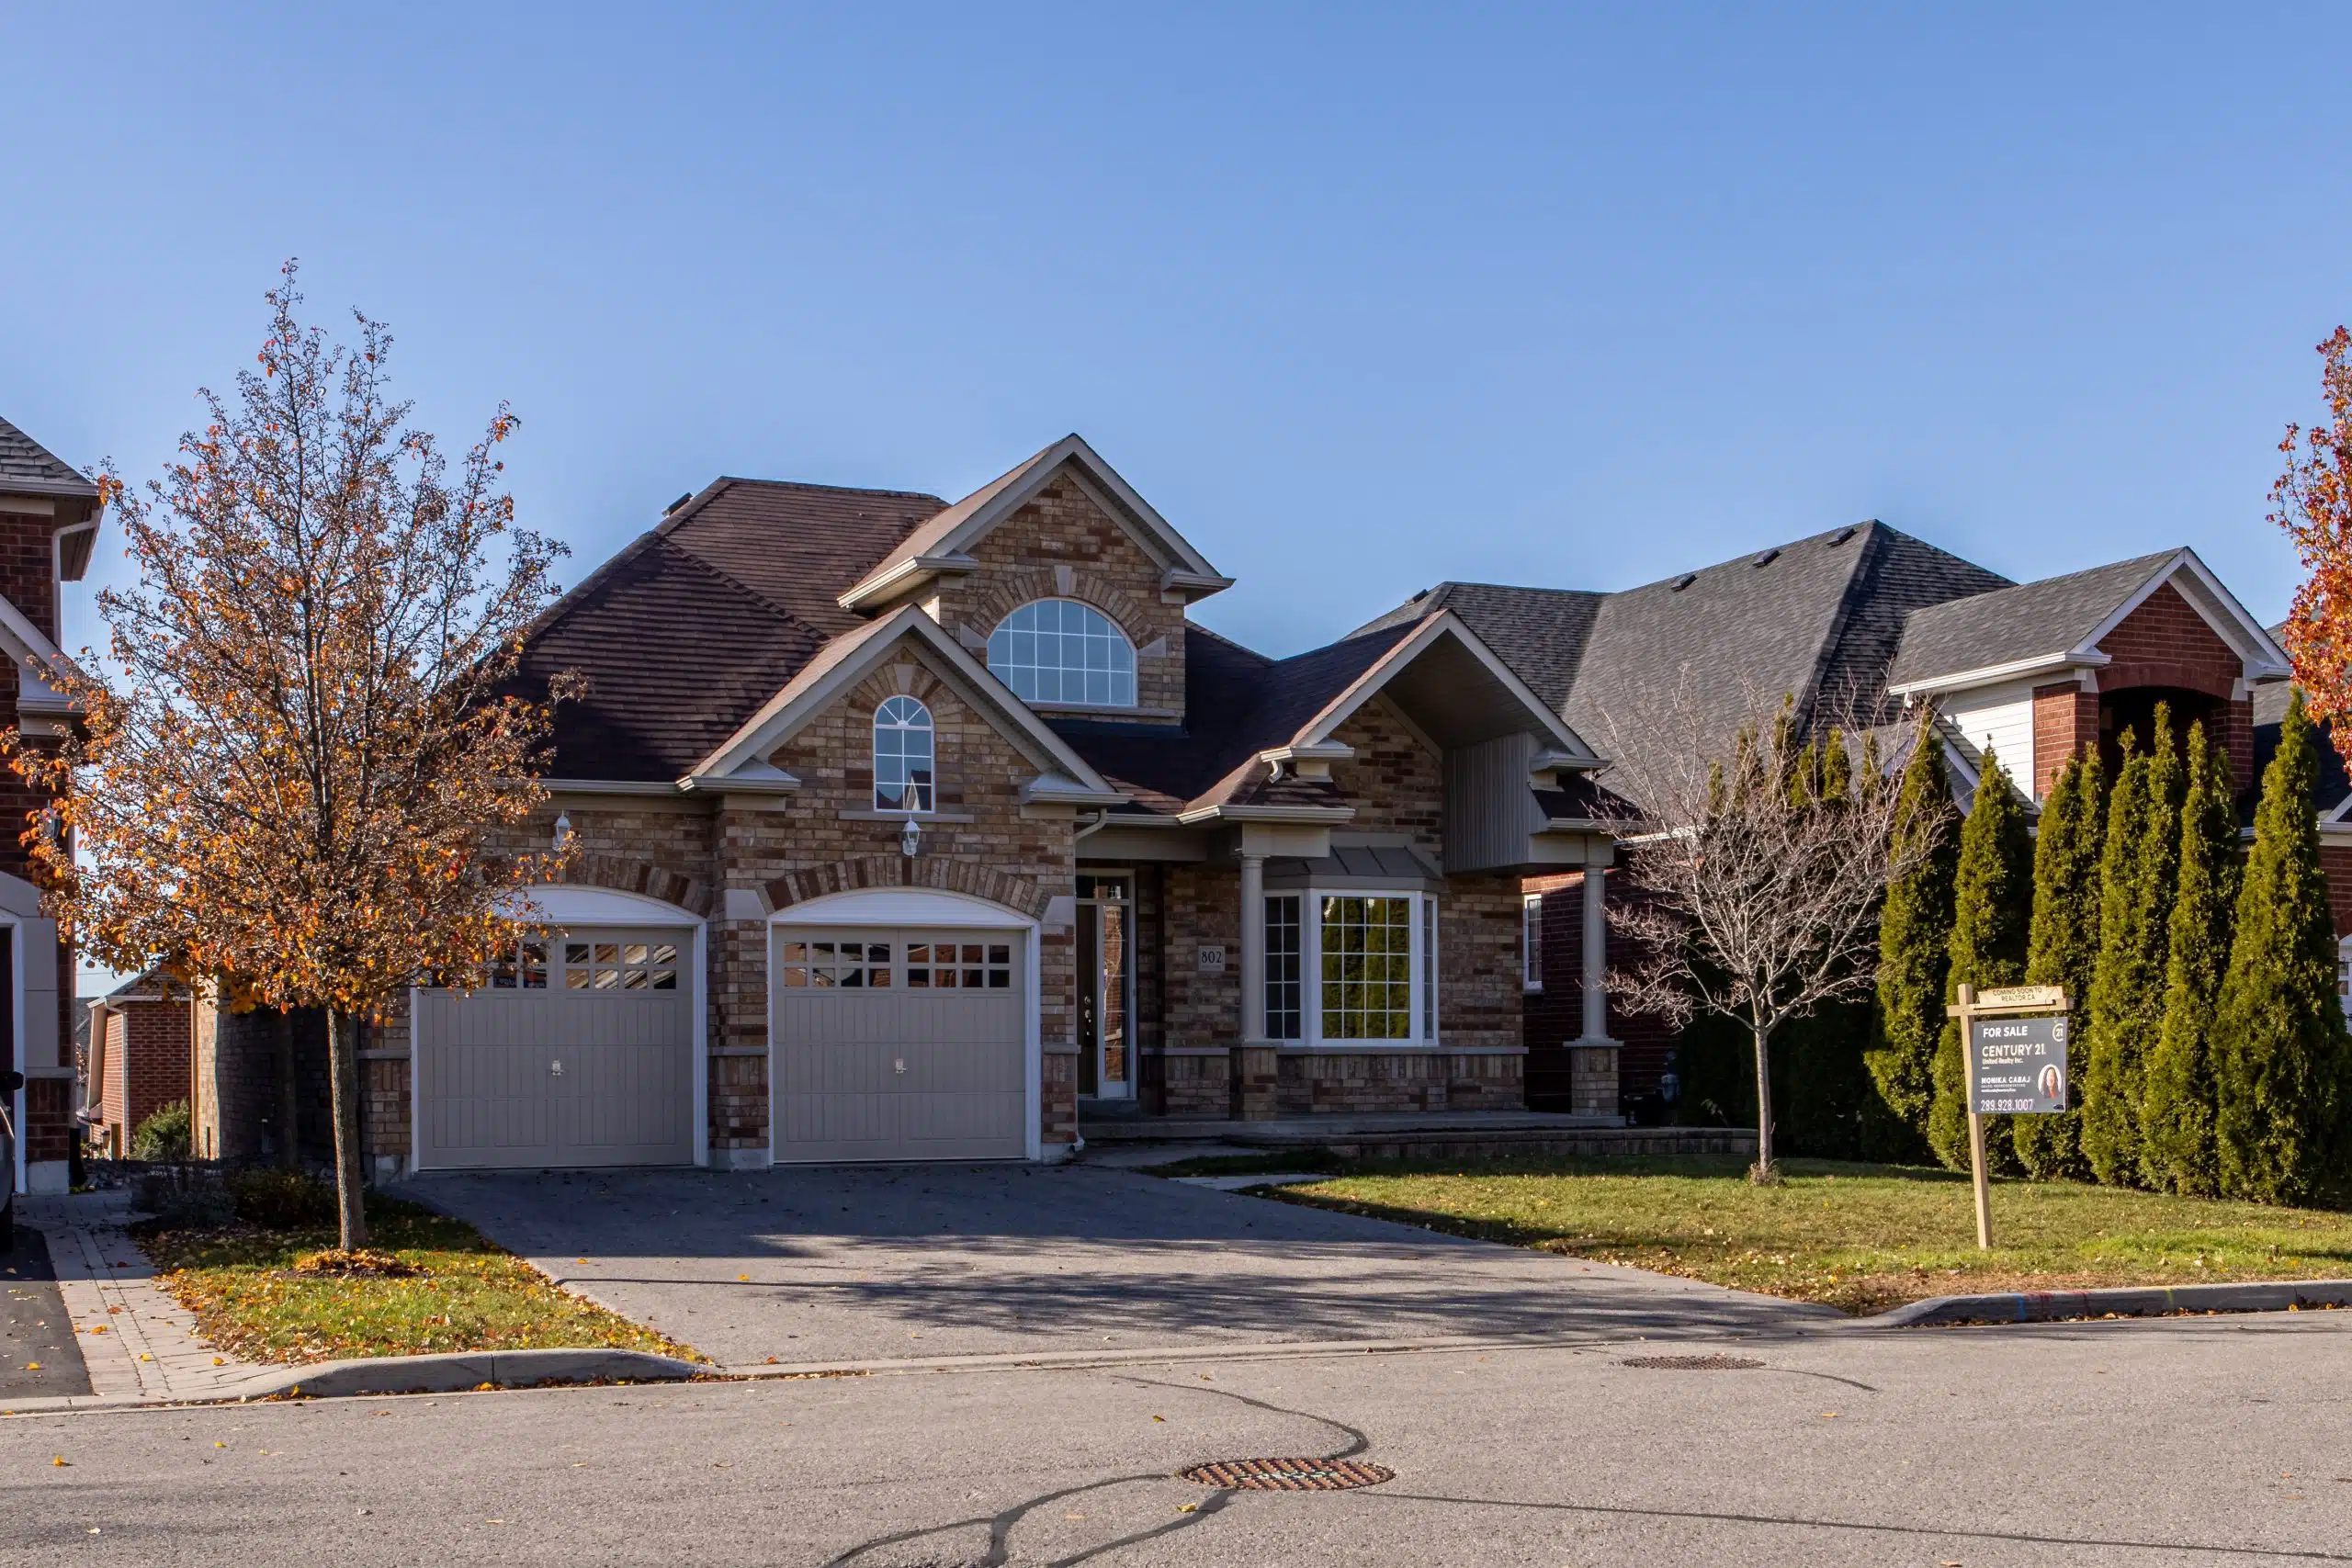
(2065, 720)
(1061, 545)
(2336, 860)
(2164, 642)
(1555, 1014)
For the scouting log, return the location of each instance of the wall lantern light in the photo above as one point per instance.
(910, 838)
(562, 831)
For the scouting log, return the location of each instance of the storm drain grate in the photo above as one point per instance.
(1288, 1474)
(1692, 1363)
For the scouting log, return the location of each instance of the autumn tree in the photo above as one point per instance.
(304, 752)
(1756, 880)
(2313, 503)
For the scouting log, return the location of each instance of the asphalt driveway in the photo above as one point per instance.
(884, 1262)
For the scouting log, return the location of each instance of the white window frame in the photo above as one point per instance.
(1531, 943)
(1424, 1017)
(925, 793)
(2344, 976)
(1117, 673)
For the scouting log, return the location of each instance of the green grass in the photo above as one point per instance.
(1860, 1237)
(469, 1295)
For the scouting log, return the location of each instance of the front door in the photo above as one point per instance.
(1106, 935)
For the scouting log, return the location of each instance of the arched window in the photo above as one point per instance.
(1059, 651)
(902, 756)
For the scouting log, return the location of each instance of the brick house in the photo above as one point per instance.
(141, 1056)
(910, 829)
(1868, 618)
(49, 520)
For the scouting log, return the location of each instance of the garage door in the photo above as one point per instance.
(899, 1045)
(577, 1051)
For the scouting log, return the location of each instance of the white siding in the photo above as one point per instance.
(1998, 719)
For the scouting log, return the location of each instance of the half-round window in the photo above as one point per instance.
(902, 756)
(1059, 651)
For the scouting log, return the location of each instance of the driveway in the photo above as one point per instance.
(858, 1263)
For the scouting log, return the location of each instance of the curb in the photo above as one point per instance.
(461, 1371)
(2152, 1301)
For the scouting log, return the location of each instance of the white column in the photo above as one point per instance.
(1253, 949)
(1596, 953)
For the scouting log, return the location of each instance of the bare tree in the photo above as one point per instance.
(1756, 860)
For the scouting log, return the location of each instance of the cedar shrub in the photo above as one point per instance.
(2063, 949)
(1992, 894)
(2177, 1110)
(2138, 869)
(1913, 952)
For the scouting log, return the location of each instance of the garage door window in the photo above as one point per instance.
(620, 965)
(523, 966)
(964, 966)
(861, 966)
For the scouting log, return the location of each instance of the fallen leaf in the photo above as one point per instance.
(1829, 1416)
(59, 1460)
(1159, 1418)
(32, 1366)
(1187, 1507)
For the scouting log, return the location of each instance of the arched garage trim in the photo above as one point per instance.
(933, 907)
(571, 904)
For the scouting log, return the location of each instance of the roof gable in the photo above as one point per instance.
(2057, 623)
(845, 661)
(943, 542)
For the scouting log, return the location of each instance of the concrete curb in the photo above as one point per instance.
(463, 1371)
(2153, 1301)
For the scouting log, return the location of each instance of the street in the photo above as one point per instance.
(2221, 1440)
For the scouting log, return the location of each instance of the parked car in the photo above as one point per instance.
(10, 1082)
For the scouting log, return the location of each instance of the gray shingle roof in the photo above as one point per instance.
(1819, 617)
(29, 468)
(2051, 615)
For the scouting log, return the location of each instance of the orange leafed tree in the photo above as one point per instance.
(298, 770)
(2314, 499)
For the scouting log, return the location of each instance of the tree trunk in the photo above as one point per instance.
(343, 1069)
(1766, 1168)
(290, 1096)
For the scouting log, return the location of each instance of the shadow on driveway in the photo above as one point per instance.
(38, 1358)
(869, 1262)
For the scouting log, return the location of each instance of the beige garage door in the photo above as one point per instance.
(899, 1045)
(577, 1052)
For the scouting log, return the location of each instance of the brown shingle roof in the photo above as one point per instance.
(29, 468)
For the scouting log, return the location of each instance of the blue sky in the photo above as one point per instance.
(1361, 297)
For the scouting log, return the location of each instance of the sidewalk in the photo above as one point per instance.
(139, 1346)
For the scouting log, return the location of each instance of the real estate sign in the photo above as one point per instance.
(2018, 1065)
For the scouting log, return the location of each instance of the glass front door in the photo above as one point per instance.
(1106, 935)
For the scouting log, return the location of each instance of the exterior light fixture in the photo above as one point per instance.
(910, 838)
(562, 831)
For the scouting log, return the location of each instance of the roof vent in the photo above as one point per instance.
(677, 504)
(1685, 580)
(1842, 535)
(1422, 595)
(1766, 558)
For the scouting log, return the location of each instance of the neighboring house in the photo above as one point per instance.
(140, 1059)
(1868, 620)
(49, 520)
(910, 829)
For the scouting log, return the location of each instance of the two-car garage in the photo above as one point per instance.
(902, 1026)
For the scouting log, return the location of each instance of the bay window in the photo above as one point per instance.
(1344, 967)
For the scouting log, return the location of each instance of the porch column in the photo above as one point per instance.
(1253, 949)
(1254, 1070)
(1592, 1057)
(1596, 953)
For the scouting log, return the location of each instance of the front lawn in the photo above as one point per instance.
(1860, 1237)
(467, 1294)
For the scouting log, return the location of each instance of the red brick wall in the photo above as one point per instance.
(26, 569)
(146, 1063)
(2065, 719)
(1554, 1015)
(2336, 860)
(2166, 642)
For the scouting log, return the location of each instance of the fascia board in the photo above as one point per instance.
(24, 639)
(1445, 623)
(1053, 790)
(905, 574)
(1993, 675)
(2265, 661)
(1305, 816)
(607, 786)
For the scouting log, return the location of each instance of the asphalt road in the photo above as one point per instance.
(2215, 1441)
(37, 1356)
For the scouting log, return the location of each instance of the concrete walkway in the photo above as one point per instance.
(139, 1345)
(859, 1264)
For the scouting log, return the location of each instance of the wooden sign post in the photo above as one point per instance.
(2013, 1050)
